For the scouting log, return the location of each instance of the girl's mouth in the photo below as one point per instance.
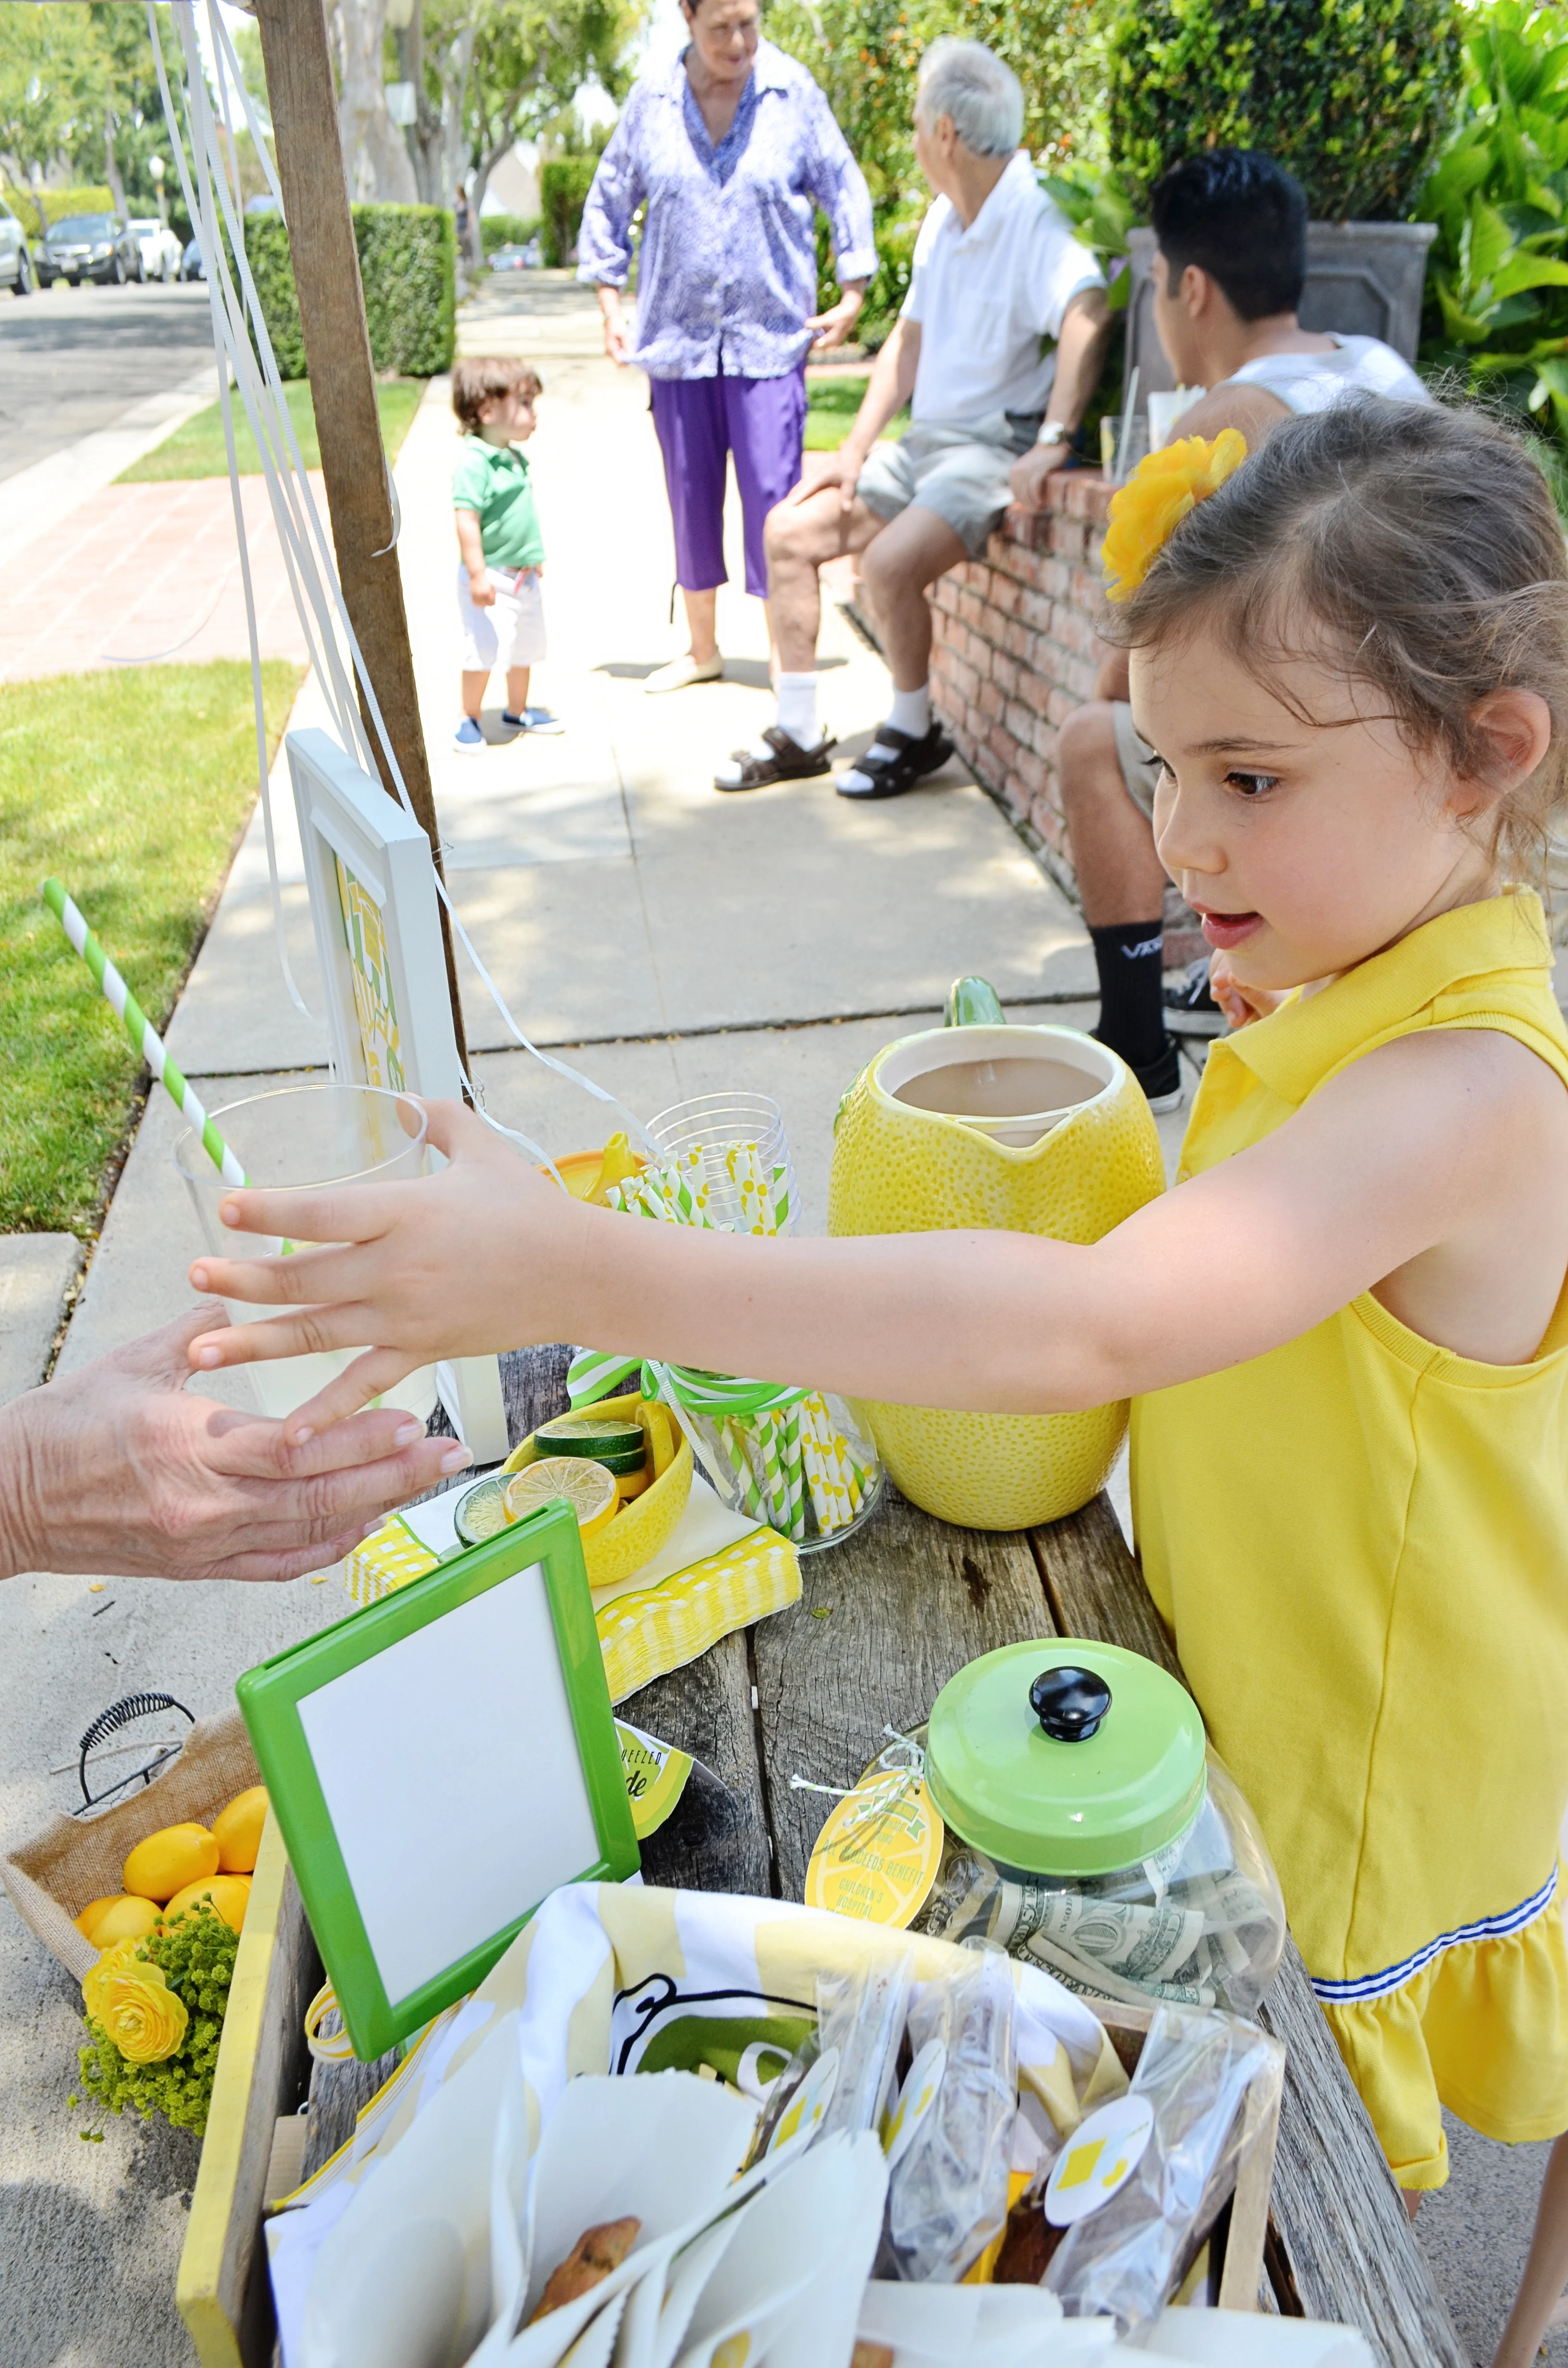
(1228, 930)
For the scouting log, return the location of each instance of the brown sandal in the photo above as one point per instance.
(789, 762)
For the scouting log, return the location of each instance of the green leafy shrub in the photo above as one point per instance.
(1497, 281)
(408, 265)
(563, 186)
(509, 230)
(1353, 96)
(196, 1954)
(57, 205)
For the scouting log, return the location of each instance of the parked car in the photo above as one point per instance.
(89, 246)
(16, 258)
(517, 259)
(160, 250)
(191, 265)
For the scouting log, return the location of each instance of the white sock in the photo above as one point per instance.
(911, 712)
(798, 707)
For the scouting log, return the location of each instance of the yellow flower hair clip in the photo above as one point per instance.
(1146, 512)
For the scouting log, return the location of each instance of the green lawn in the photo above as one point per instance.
(197, 449)
(131, 787)
(831, 405)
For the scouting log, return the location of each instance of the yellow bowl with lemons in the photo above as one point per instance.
(644, 1524)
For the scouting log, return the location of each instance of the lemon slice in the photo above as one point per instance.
(587, 1487)
(482, 1512)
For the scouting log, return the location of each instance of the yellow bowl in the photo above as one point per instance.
(643, 1527)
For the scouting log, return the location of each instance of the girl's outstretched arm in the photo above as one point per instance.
(1425, 1168)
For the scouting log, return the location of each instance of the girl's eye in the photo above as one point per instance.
(1251, 785)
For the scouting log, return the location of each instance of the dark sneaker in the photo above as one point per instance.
(1160, 1079)
(1191, 1007)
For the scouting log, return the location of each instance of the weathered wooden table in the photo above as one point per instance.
(884, 1619)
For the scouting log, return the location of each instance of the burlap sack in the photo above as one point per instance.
(52, 1876)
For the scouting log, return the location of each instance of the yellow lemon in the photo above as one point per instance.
(587, 1487)
(658, 1428)
(237, 1831)
(230, 1895)
(104, 1921)
(169, 1858)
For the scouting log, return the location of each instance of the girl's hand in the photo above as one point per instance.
(1240, 1004)
(451, 1264)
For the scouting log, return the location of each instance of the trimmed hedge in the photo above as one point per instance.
(509, 230)
(563, 186)
(408, 260)
(1354, 97)
(57, 205)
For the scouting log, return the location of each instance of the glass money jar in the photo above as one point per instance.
(1089, 1828)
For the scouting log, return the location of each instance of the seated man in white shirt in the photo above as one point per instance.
(996, 274)
(1228, 273)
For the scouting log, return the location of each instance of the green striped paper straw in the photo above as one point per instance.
(144, 1038)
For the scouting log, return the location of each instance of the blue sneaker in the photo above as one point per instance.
(532, 719)
(467, 736)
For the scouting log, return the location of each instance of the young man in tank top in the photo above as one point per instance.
(1228, 273)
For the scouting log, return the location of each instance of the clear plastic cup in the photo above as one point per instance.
(298, 1140)
(717, 1121)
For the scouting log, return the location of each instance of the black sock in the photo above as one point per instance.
(1130, 959)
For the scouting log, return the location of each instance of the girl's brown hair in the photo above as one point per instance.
(475, 383)
(1415, 546)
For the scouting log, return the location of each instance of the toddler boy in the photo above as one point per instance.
(499, 599)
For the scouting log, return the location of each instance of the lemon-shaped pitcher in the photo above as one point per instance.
(1021, 1129)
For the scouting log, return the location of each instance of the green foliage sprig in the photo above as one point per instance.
(1354, 97)
(1497, 281)
(196, 1952)
(408, 265)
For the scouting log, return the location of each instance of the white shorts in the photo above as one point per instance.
(512, 632)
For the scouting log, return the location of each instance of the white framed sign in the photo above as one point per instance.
(374, 908)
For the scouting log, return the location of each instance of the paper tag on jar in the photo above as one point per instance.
(1098, 2160)
(655, 1777)
(878, 1854)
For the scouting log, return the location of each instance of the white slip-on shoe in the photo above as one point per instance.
(681, 673)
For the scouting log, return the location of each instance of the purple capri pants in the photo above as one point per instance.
(700, 422)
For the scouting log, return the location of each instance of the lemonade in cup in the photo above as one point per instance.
(300, 1139)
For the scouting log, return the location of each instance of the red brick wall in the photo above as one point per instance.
(1017, 650)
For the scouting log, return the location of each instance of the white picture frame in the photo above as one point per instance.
(371, 881)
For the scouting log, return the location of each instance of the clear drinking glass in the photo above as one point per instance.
(1131, 446)
(716, 1121)
(296, 1140)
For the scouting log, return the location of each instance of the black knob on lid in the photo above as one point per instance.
(1069, 1703)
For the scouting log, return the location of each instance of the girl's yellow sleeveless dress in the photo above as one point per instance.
(1362, 1543)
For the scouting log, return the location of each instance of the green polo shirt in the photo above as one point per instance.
(492, 480)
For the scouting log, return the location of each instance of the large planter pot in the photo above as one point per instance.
(1364, 279)
(1069, 1151)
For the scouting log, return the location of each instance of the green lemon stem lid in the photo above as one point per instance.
(1065, 1758)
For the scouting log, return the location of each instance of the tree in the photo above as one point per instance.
(375, 156)
(530, 59)
(54, 86)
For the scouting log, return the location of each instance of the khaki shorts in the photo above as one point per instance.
(1140, 765)
(961, 473)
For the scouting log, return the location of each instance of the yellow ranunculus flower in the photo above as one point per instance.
(146, 2020)
(119, 1958)
(1146, 512)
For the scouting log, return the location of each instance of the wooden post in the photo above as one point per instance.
(300, 93)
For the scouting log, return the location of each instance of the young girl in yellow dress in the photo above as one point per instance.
(1345, 1332)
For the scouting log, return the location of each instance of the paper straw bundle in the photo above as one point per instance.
(782, 1461)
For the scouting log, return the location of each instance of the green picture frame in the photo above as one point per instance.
(324, 1721)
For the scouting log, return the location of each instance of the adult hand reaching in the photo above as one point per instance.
(119, 1470)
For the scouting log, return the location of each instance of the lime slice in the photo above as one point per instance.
(600, 1436)
(587, 1487)
(482, 1512)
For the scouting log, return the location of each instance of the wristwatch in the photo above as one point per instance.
(1053, 432)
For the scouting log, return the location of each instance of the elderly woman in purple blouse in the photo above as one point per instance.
(731, 151)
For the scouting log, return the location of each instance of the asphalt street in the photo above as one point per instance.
(73, 359)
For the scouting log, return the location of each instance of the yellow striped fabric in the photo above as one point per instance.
(646, 1635)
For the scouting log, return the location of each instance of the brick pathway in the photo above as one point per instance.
(143, 572)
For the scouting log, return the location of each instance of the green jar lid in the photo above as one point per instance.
(1065, 1758)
